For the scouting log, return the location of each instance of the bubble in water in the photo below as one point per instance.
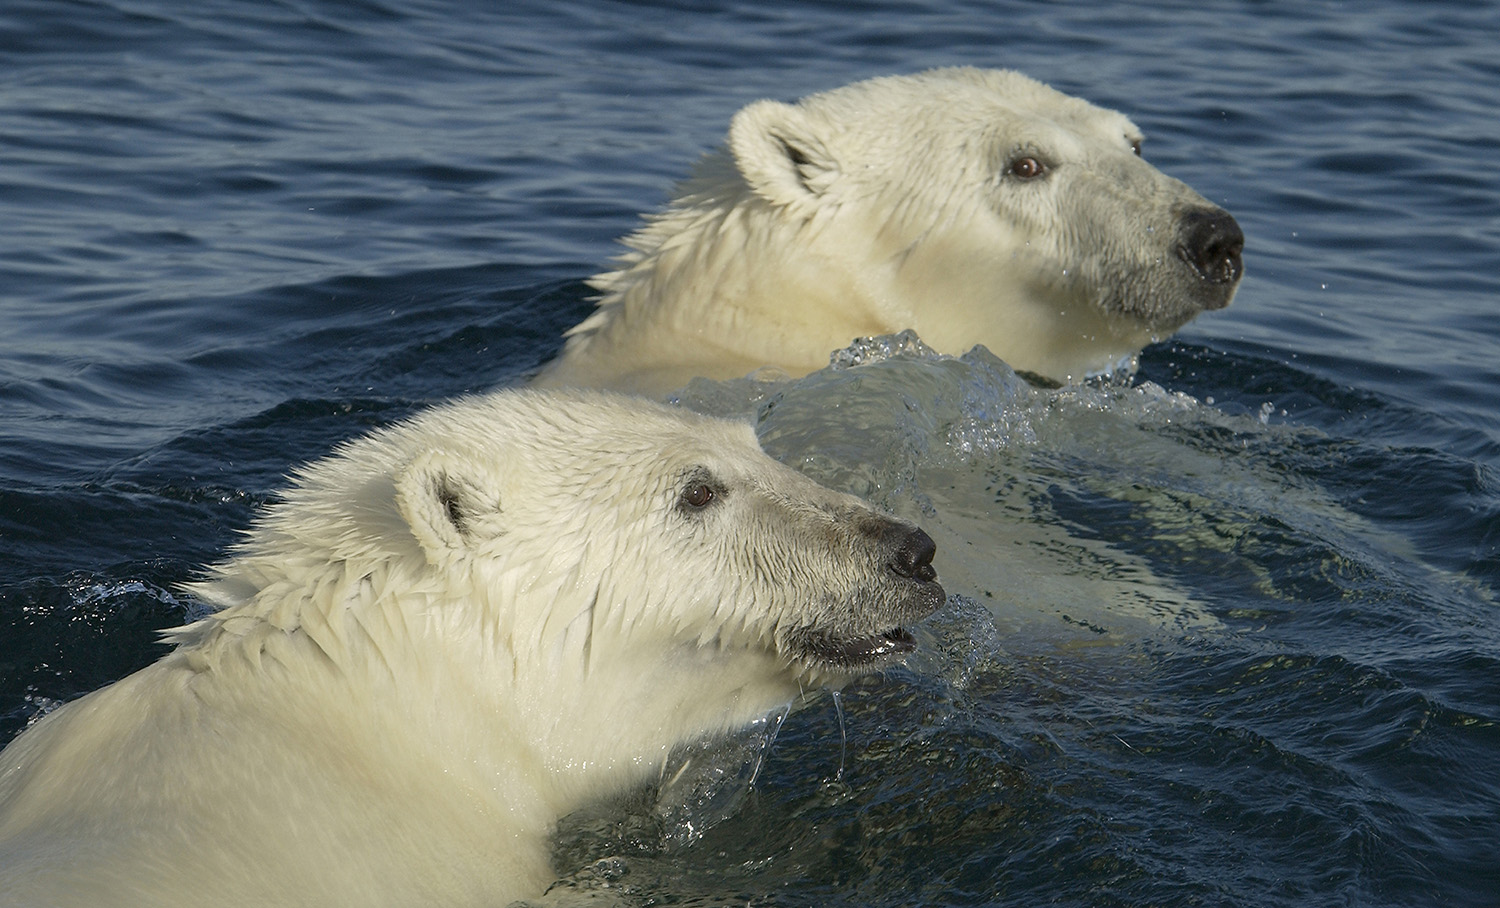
(866, 350)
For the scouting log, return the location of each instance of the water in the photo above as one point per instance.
(1229, 636)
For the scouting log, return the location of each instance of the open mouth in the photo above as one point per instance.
(854, 652)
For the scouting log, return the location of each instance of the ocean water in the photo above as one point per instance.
(1224, 634)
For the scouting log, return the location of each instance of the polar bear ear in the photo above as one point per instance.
(779, 153)
(448, 506)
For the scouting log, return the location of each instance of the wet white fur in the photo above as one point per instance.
(445, 637)
(888, 205)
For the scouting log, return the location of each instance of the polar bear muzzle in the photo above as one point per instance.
(867, 635)
(912, 557)
(1210, 241)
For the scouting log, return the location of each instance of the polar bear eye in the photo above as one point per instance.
(1135, 145)
(700, 488)
(698, 495)
(1027, 168)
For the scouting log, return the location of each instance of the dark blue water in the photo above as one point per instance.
(235, 233)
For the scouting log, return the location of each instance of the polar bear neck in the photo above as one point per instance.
(270, 633)
(694, 297)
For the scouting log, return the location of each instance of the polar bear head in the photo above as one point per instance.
(972, 206)
(605, 576)
(649, 523)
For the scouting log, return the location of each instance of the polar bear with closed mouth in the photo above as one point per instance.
(445, 637)
(971, 206)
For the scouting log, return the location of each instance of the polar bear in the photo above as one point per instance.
(971, 206)
(443, 638)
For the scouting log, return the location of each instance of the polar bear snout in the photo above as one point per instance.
(861, 630)
(1210, 242)
(906, 554)
(912, 557)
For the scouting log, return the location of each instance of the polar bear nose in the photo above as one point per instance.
(1210, 241)
(912, 557)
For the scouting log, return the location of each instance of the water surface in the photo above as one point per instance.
(1226, 635)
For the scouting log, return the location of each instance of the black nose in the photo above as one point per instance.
(1210, 241)
(912, 557)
